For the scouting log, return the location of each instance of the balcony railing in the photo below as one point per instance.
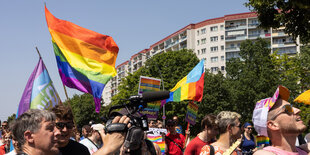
(235, 38)
(235, 27)
(230, 49)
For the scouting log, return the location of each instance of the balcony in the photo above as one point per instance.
(235, 38)
(253, 25)
(232, 49)
(235, 27)
(279, 34)
(254, 35)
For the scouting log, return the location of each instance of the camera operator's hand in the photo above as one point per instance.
(113, 141)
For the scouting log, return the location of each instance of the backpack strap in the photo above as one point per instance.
(211, 150)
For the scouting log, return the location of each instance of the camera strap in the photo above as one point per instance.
(175, 144)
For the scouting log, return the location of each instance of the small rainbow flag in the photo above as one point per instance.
(159, 141)
(190, 87)
(260, 140)
(85, 59)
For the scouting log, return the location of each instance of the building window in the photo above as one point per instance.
(203, 31)
(222, 37)
(213, 28)
(222, 48)
(203, 41)
(198, 52)
(214, 59)
(214, 39)
(222, 58)
(197, 32)
(203, 51)
(214, 49)
(222, 27)
(222, 68)
(197, 42)
(214, 69)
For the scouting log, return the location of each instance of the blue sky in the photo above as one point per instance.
(134, 25)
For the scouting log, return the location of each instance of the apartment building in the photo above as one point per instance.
(215, 40)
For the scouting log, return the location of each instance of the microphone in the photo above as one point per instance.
(151, 96)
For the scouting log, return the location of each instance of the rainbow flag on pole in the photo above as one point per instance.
(190, 87)
(39, 92)
(85, 59)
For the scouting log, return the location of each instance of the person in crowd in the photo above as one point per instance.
(248, 141)
(178, 127)
(34, 133)
(159, 124)
(5, 147)
(86, 131)
(3, 130)
(63, 131)
(229, 128)
(94, 141)
(281, 122)
(152, 124)
(174, 141)
(205, 137)
(113, 141)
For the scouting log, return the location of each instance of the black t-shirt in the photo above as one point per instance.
(74, 148)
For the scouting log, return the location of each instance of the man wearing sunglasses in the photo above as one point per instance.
(63, 130)
(276, 118)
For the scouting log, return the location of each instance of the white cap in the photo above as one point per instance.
(97, 127)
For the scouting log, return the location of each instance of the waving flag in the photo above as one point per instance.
(85, 59)
(39, 92)
(190, 87)
(304, 98)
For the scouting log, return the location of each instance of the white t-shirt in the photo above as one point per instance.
(92, 148)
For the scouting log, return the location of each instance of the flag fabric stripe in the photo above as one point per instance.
(150, 81)
(39, 92)
(85, 59)
(190, 87)
(75, 31)
(90, 65)
(90, 51)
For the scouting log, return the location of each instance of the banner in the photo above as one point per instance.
(192, 110)
(155, 135)
(150, 84)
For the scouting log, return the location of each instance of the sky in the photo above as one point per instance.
(134, 26)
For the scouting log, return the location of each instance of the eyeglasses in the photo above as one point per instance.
(288, 108)
(61, 125)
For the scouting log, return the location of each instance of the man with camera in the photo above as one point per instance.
(63, 130)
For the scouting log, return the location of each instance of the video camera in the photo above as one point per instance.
(138, 121)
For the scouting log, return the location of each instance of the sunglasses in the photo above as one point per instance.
(61, 125)
(288, 109)
(249, 128)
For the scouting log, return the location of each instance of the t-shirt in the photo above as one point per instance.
(247, 145)
(278, 151)
(217, 150)
(92, 148)
(194, 146)
(75, 148)
(173, 148)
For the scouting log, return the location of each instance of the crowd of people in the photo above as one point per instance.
(53, 132)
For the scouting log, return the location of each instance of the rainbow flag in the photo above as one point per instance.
(85, 59)
(192, 111)
(190, 87)
(39, 92)
(158, 139)
(260, 140)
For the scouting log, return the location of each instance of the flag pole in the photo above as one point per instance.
(64, 89)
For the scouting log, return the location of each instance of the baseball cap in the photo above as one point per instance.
(97, 127)
(262, 108)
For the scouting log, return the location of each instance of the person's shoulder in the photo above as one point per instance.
(78, 145)
(263, 152)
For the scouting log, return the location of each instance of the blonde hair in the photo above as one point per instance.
(225, 118)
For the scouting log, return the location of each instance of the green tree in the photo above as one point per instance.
(83, 108)
(294, 15)
(251, 78)
(11, 118)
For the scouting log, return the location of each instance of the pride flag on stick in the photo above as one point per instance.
(85, 59)
(190, 87)
(39, 92)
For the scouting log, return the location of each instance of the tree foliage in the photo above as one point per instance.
(11, 118)
(294, 15)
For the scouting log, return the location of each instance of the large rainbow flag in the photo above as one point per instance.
(85, 59)
(190, 87)
(39, 92)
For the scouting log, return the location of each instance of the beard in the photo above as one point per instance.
(293, 128)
